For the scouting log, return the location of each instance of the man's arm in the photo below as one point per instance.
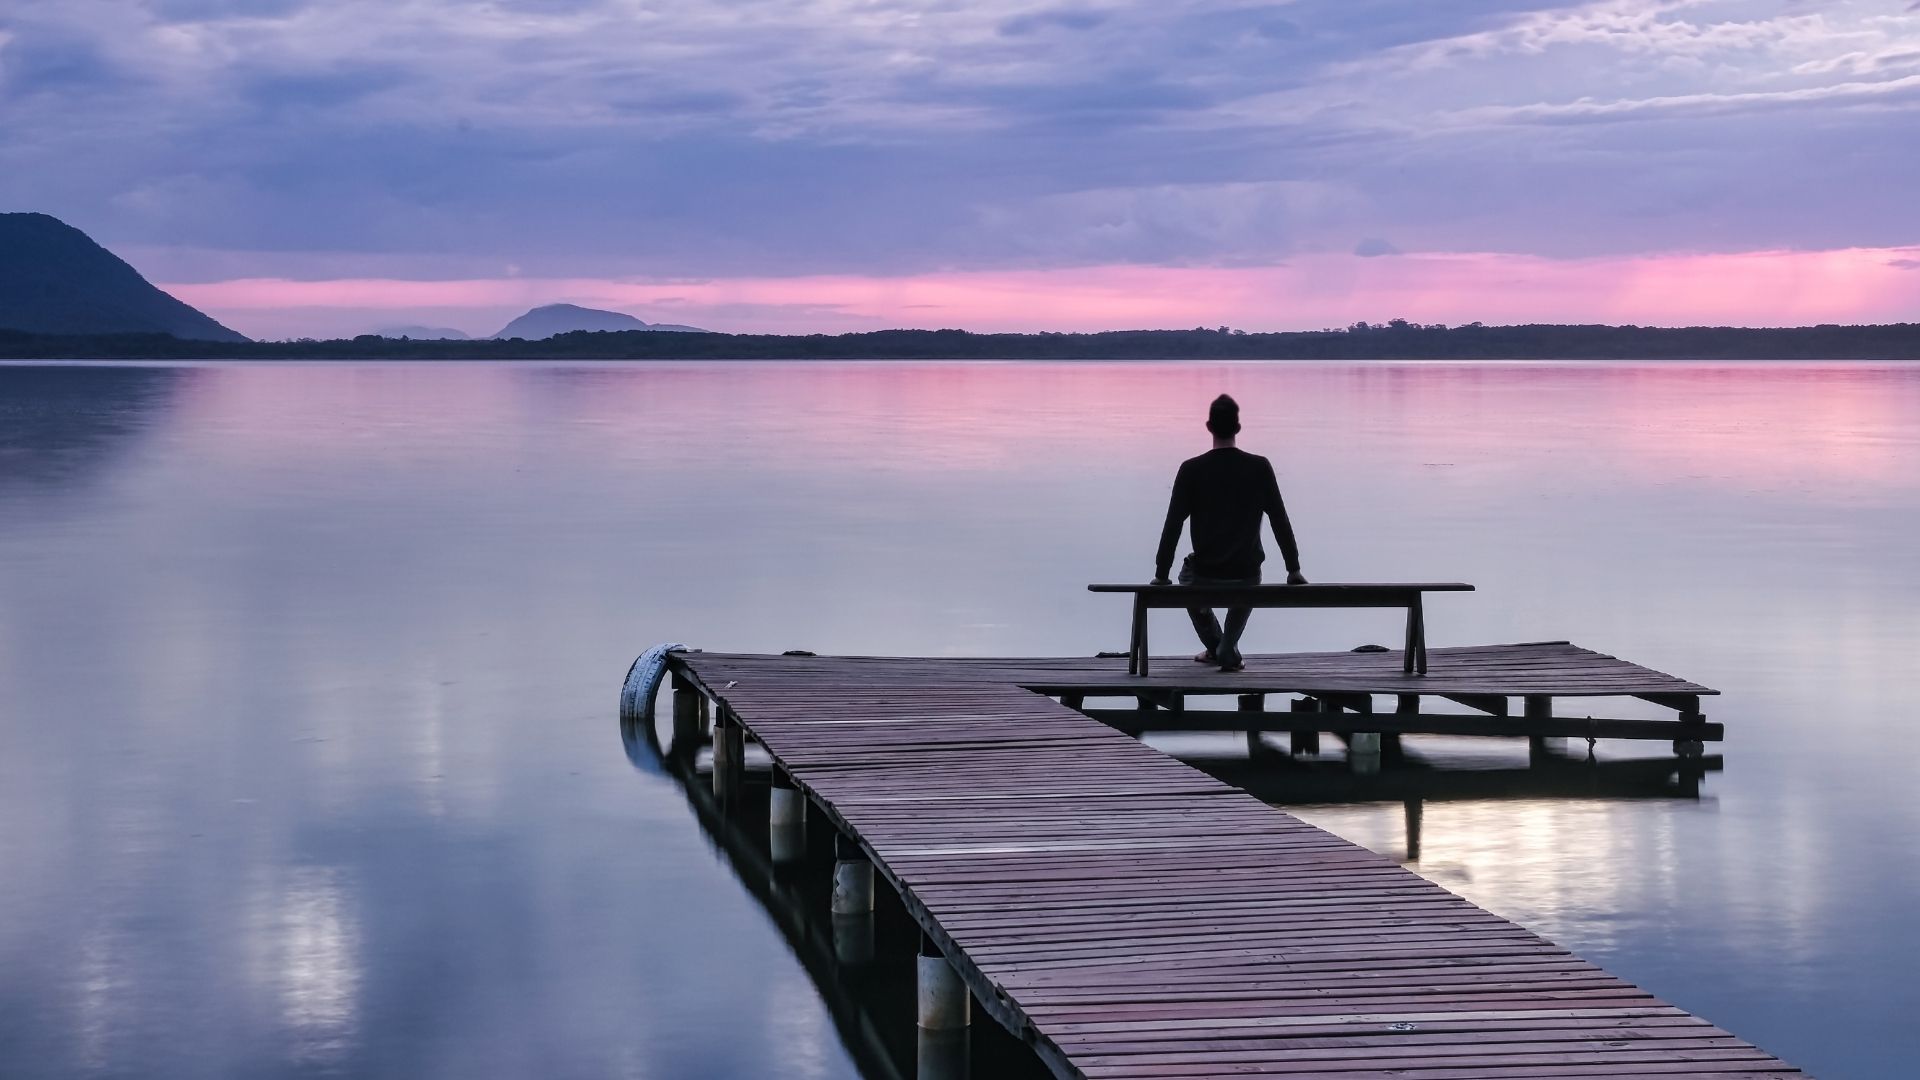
(1178, 506)
(1276, 509)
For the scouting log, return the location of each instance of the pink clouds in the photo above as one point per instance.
(1768, 288)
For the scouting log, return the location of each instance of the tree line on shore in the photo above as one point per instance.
(1394, 340)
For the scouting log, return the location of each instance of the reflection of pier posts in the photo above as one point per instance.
(1409, 705)
(1363, 752)
(944, 1055)
(853, 940)
(1363, 747)
(729, 757)
(786, 820)
(1413, 808)
(852, 902)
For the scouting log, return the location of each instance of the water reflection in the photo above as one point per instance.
(862, 966)
(1412, 778)
(62, 426)
(306, 936)
(304, 672)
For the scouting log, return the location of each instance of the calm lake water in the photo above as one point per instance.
(309, 762)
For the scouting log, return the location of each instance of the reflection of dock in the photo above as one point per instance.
(1127, 915)
(1407, 779)
(1275, 778)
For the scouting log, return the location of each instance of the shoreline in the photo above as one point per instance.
(1362, 342)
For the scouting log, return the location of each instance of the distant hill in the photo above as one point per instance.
(545, 322)
(55, 280)
(424, 333)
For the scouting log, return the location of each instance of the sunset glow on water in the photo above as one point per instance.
(312, 765)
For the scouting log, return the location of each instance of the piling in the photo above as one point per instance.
(852, 878)
(729, 757)
(945, 1003)
(786, 819)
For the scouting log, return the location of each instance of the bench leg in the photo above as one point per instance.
(1412, 643)
(1420, 634)
(1137, 646)
(1143, 638)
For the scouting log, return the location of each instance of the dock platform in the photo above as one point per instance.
(1127, 915)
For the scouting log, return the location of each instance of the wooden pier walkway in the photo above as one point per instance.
(1129, 916)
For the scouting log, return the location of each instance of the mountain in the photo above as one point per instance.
(544, 322)
(55, 280)
(424, 333)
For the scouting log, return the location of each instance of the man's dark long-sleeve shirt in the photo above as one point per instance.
(1225, 491)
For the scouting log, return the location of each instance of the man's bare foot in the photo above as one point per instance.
(1206, 658)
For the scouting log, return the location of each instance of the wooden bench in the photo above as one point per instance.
(1344, 595)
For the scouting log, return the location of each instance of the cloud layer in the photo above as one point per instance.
(637, 140)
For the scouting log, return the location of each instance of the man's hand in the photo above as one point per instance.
(1158, 580)
(1295, 577)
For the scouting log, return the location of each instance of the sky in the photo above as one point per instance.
(327, 167)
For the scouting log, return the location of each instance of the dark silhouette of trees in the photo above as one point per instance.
(1396, 339)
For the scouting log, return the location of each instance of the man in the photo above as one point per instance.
(1224, 491)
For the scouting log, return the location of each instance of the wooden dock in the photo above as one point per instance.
(1129, 916)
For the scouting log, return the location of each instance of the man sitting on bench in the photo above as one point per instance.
(1224, 491)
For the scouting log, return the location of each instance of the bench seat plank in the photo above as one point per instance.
(1392, 594)
(1333, 588)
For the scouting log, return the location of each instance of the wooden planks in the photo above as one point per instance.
(1131, 916)
(1552, 668)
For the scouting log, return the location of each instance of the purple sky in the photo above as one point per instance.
(333, 166)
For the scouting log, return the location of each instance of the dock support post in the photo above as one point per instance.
(1689, 744)
(786, 819)
(1254, 703)
(944, 1048)
(945, 1002)
(852, 903)
(1538, 708)
(1414, 807)
(852, 878)
(1304, 742)
(729, 756)
(686, 713)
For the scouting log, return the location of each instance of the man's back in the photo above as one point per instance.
(1225, 491)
